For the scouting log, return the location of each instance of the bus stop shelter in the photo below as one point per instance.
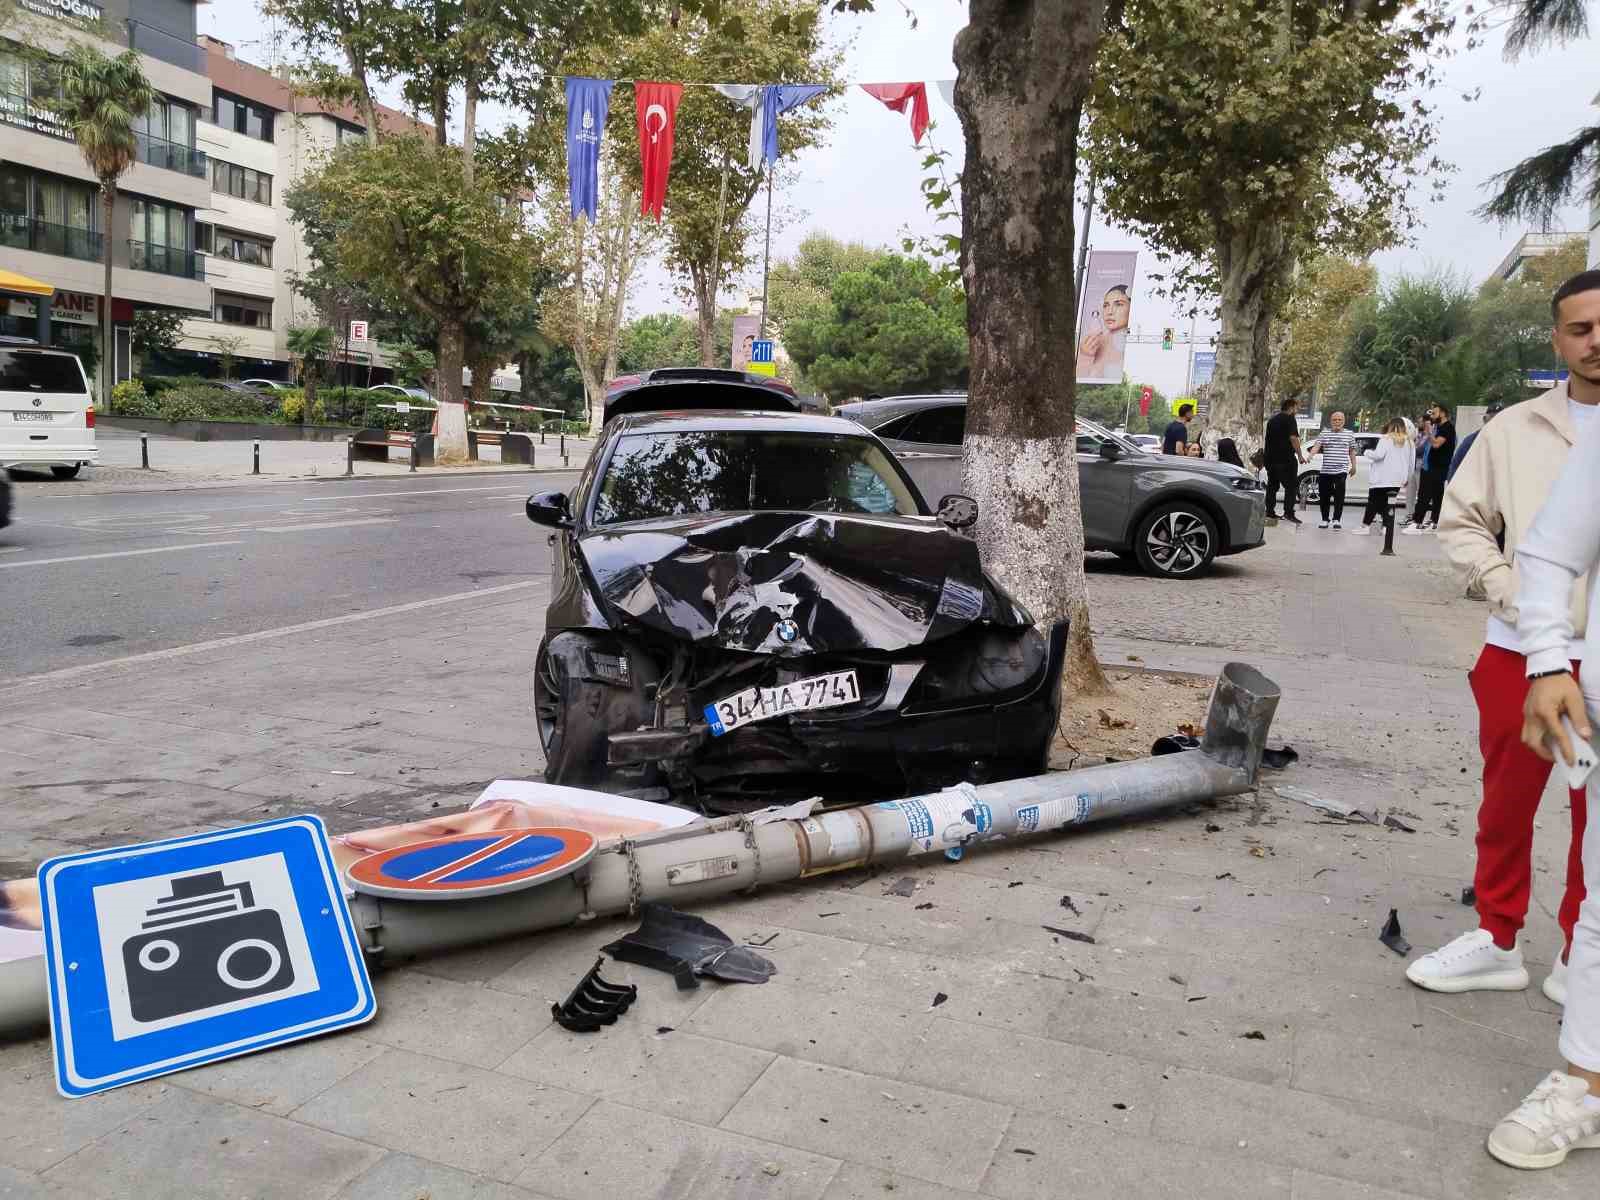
(12, 284)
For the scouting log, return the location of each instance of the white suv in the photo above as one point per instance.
(46, 417)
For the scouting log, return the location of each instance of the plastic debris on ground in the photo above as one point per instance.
(906, 885)
(1173, 744)
(1334, 808)
(594, 1002)
(1391, 935)
(684, 946)
(1280, 758)
(1073, 934)
(1469, 896)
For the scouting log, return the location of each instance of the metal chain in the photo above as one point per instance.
(626, 848)
(748, 827)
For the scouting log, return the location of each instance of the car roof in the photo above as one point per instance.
(681, 388)
(873, 413)
(736, 420)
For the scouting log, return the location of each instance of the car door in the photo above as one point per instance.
(928, 445)
(1365, 443)
(1105, 486)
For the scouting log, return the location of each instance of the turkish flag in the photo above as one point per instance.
(657, 104)
(900, 96)
(1145, 396)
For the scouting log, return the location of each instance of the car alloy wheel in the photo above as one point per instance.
(1178, 541)
(1308, 490)
(547, 690)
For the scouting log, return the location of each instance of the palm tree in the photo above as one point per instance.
(311, 344)
(101, 98)
(1538, 186)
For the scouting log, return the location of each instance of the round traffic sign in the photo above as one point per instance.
(473, 864)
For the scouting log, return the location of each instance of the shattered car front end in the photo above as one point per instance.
(737, 659)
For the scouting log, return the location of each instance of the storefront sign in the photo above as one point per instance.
(65, 10)
(73, 308)
(35, 118)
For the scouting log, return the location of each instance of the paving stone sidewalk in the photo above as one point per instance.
(1235, 1029)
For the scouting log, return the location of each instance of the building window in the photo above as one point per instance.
(233, 180)
(27, 89)
(202, 237)
(241, 248)
(242, 116)
(48, 214)
(343, 132)
(251, 311)
(158, 240)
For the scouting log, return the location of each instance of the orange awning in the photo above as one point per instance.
(10, 281)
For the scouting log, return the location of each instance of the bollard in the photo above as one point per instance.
(256, 467)
(1388, 531)
(144, 451)
(541, 433)
(350, 455)
(416, 453)
(563, 445)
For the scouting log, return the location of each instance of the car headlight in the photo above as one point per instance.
(992, 666)
(1248, 483)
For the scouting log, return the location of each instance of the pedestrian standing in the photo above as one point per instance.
(1440, 448)
(1228, 452)
(1338, 464)
(1391, 462)
(1562, 1113)
(1175, 440)
(1283, 457)
(1491, 504)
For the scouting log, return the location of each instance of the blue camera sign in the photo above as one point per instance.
(177, 953)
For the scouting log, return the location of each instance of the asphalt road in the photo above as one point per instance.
(88, 578)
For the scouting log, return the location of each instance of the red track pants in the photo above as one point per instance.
(1514, 778)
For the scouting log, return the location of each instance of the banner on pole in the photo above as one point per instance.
(904, 97)
(657, 108)
(746, 329)
(588, 101)
(1104, 311)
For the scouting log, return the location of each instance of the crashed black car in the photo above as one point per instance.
(752, 605)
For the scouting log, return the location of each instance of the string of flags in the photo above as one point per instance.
(656, 111)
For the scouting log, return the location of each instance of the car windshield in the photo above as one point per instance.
(678, 474)
(31, 371)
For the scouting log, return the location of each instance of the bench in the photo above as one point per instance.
(373, 445)
(514, 447)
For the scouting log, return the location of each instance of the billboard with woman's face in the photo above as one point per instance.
(1104, 311)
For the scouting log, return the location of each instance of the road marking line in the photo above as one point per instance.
(414, 492)
(45, 562)
(14, 550)
(264, 635)
(323, 525)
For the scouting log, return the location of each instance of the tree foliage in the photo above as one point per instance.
(157, 330)
(1326, 291)
(1239, 139)
(891, 327)
(1110, 403)
(710, 227)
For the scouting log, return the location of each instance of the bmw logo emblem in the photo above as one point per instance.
(787, 630)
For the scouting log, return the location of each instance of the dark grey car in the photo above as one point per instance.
(1172, 515)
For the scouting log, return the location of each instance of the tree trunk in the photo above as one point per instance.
(108, 349)
(1253, 276)
(1020, 114)
(469, 130)
(705, 314)
(308, 389)
(450, 445)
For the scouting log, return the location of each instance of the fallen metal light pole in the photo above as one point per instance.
(728, 854)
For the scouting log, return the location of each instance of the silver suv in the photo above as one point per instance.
(1171, 515)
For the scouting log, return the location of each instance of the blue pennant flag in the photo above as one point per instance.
(780, 98)
(588, 101)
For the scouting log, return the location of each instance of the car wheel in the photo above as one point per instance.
(567, 712)
(1176, 541)
(66, 472)
(1307, 492)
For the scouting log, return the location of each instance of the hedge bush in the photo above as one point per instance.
(129, 399)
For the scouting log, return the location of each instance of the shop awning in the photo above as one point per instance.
(10, 281)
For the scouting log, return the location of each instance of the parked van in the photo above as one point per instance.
(46, 417)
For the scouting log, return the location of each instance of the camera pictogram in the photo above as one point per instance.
(206, 944)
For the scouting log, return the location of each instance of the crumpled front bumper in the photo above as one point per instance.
(903, 738)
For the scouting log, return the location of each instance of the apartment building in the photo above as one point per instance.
(51, 218)
(259, 136)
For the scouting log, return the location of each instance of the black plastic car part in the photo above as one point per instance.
(684, 946)
(594, 1002)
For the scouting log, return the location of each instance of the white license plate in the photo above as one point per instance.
(34, 416)
(803, 695)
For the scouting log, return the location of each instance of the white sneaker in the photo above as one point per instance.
(1471, 963)
(1322, 524)
(1412, 530)
(1555, 984)
(1430, 529)
(1336, 525)
(1553, 1121)
(1361, 531)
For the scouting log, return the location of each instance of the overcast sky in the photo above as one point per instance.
(864, 183)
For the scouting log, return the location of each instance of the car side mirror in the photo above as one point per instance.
(957, 511)
(550, 508)
(1110, 451)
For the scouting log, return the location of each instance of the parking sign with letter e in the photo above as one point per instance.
(182, 952)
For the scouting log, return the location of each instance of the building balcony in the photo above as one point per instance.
(159, 152)
(166, 260)
(18, 231)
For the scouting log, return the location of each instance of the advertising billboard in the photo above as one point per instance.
(746, 330)
(1104, 312)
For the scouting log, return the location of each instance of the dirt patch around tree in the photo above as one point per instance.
(1122, 723)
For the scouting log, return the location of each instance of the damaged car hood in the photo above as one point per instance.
(795, 583)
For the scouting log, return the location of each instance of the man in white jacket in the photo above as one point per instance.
(1497, 491)
(1562, 1114)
